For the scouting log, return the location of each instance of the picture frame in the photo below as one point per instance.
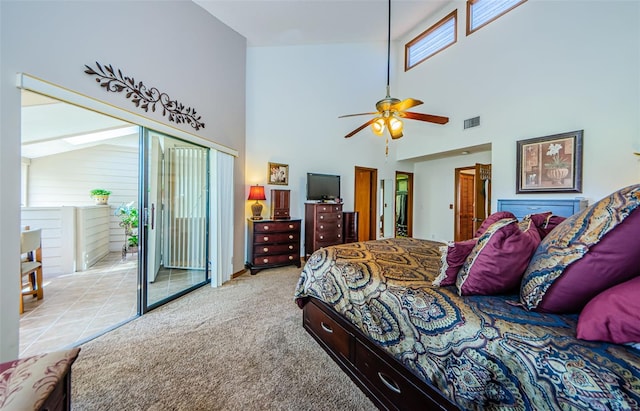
(550, 164)
(278, 174)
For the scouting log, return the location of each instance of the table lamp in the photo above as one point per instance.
(256, 193)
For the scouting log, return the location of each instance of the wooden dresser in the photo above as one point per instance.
(322, 226)
(523, 207)
(272, 243)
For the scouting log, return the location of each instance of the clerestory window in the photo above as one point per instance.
(435, 39)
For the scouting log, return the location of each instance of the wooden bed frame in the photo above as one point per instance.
(381, 377)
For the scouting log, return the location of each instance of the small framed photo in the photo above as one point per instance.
(550, 164)
(278, 174)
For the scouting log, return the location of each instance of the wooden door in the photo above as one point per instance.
(365, 202)
(466, 207)
(472, 199)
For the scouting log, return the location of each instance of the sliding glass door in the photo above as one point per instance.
(174, 235)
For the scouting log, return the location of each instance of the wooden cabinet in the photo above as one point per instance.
(322, 226)
(280, 204)
(349, 226)
(521, 208)
(272, 243)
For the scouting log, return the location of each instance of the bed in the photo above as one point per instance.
(410, 344)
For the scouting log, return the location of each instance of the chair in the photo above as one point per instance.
(31, 265)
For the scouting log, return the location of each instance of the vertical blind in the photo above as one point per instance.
(483, 11)
(432, 42)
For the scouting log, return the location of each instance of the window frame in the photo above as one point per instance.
(470, 4)
(453, 15)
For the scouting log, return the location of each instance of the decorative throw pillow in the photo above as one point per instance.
(587, 253)
(545, 222)
(496, 263)
(453, 256)
(492, 219)
(613, 315)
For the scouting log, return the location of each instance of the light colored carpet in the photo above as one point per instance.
(238, 347)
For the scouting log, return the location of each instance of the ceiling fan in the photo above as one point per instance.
(390, 109)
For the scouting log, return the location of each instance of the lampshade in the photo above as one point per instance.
(378, 126)
(256, 193)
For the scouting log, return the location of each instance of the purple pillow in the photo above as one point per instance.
(492, 219)
(613, 315)
(496, 263)
(453, 256)
(584, 255)
(545, 222)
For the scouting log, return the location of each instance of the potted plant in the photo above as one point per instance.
(128, 214)
(100, 195)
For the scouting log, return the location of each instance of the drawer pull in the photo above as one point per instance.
(290, 225)
(266, 227)
(533, 208)
(321, 217)
(266, 238)
(266, 260)
(339, 235)
(339, 225)
(321, 226)
(339, 216)
(290, 257)
(322, 237)
(266, 249)
(290, 247)
(290, 236)
(390, 384)
(326, 327)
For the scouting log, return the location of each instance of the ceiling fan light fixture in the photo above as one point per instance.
(395, 125)
(378, 126)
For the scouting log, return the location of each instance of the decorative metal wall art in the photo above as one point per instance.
(143, 97)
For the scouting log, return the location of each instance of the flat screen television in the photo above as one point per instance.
(322, 187)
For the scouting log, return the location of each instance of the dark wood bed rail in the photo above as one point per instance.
(388, 384)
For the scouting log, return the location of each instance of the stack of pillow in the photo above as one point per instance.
(588, 263)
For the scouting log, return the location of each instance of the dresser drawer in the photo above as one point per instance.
(329, 227)
(327, 330)
(280, 213)
(260, 250)
(276, 226)
(329, 218)
(328, 238)
(329, 208)
(262, 238)
(276, 259)
(396, 388)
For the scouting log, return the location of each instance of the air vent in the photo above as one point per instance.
(472, 122)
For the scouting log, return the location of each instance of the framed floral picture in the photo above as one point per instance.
(550, 164)
(278, 174)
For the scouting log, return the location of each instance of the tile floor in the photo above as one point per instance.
(80, 306)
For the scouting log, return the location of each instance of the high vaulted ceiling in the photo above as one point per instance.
(303, 22)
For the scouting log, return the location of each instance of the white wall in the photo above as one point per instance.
(547, 67)
(172, 45)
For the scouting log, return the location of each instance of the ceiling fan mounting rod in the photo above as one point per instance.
(388, 48)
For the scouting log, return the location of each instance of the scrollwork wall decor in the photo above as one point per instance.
(143, 97)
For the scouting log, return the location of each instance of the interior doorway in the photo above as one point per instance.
(365, 202)
(404, 204)
(472, 200)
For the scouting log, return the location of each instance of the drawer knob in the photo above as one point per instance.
(290, 236)
(266, 260)
(321, 226)
(266, 249)
(321, 217)
(339, 216)
(290, 247)
(266, 227)
(290, 257)
(326, 327)
(266, 238)
(290, 225)
(339, 235)
(322, 237)
(389, 383)
(339, 225)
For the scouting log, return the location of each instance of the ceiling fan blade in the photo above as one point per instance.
(424, 117)
(357, 130)
(359, 114)
(406, 104)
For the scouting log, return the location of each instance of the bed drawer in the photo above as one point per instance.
(328, 330)
(391, 384)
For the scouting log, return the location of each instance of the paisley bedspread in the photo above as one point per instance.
(483, 352)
